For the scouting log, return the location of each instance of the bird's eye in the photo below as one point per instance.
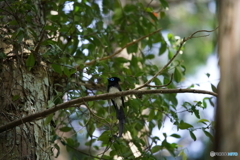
(111, 79)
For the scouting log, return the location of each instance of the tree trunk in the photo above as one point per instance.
(228, 110)
(25, 88)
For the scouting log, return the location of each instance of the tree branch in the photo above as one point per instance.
(121, 49)
(175, 55)
(43, 114)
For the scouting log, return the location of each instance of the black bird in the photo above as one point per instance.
(117, 102)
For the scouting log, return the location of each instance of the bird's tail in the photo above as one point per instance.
(121, 119)
(121, 128)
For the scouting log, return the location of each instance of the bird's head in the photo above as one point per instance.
(113, 80)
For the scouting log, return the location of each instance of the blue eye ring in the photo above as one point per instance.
(111, 79)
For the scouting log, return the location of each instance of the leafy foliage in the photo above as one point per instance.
(79, 34)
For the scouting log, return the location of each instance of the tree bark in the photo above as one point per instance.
(228, 110)
(24, 90)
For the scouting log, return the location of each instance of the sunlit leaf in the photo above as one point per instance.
(202, 121)
(183, 155)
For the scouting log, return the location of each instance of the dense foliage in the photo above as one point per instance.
(76, 43)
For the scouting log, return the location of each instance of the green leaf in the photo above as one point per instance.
(169, 146)
(72, 142)
(66, 129)
(202, 121)
(214, 89)
(114, 152)
(20, 36)
(196, 113)
(2, 55)
(121, 60)
(183, 155)
(151, 115)
(183, 125)
(148, 10)
(90, 142)
(57, 68)
(48, 119)
(192, 135)
(132, 48)
(66, 71)
(177, 75)
(170, 54)
(165, 135)
(57, 148)
(164, 4)
(204, 102)
(104, 137)
(157, 81)
(74, 46)
(208, 75)
(15, 97)
(175, 135)
(170, 37)
(163, 48)
(150, 56)
(138, 74)
(30, 61)
(209, 135)
(211, 102)
(134, 61)
(156, 148)
(50, 104)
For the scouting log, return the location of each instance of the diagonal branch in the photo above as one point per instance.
(121, 49)
(175, 55)
(77, 102)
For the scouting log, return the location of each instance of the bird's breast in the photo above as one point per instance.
(117, 100)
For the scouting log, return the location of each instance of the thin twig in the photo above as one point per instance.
(175, 55)
(121, 49)
(100, 118)
(158, 86)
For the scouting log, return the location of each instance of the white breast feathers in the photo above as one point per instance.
(117, 100)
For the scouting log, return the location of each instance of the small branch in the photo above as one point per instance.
(38, 45)
(175, 55)
(121, 49)
(43, 114)
(100, 118)
(161, 70)
(158, 86)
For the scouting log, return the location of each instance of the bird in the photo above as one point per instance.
(118, 102)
